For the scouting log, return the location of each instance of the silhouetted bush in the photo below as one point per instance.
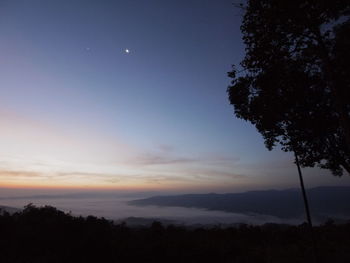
(47, 234)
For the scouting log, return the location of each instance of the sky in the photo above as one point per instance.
(129, 95)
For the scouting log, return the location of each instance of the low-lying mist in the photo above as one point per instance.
(116, 207)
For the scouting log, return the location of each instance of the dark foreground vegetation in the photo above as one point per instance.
(48, 235)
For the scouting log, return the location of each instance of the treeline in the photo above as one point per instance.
(47, 234)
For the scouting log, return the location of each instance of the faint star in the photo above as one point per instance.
(87, 49)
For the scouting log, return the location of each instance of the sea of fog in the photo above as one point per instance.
(116, 207)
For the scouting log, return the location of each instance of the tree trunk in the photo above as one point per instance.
(346, 167)
(306, 203)
(307, 210)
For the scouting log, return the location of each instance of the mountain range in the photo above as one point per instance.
(325, 202)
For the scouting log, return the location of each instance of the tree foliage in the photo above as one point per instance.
(294, 85)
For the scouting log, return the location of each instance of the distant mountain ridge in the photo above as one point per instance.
(324, 202)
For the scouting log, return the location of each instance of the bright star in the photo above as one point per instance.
(127, 51)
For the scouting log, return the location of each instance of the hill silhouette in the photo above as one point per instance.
(324, 201)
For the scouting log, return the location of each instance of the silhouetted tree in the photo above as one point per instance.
(294, 85)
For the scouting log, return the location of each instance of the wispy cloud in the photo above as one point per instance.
(218, 173)
(9, 173)
(159, 159)
(211, 175)
(165, 179)
(167, 154)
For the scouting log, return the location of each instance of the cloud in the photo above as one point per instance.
(166, 154)
(211, 174)
(17, 174)
(10, 173)
(216, 173)
(105, 177)
(161, 179)
(79, 174)
(159, 159)
(225, 159)
(166, 148)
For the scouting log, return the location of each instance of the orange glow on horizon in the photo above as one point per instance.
(205, 188)
(138, 187)
(36, 154)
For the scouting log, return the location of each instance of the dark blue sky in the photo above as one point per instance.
(80, 111)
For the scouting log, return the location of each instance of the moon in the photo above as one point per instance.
(127, 51)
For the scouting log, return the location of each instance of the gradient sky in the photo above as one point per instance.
(77, 111)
